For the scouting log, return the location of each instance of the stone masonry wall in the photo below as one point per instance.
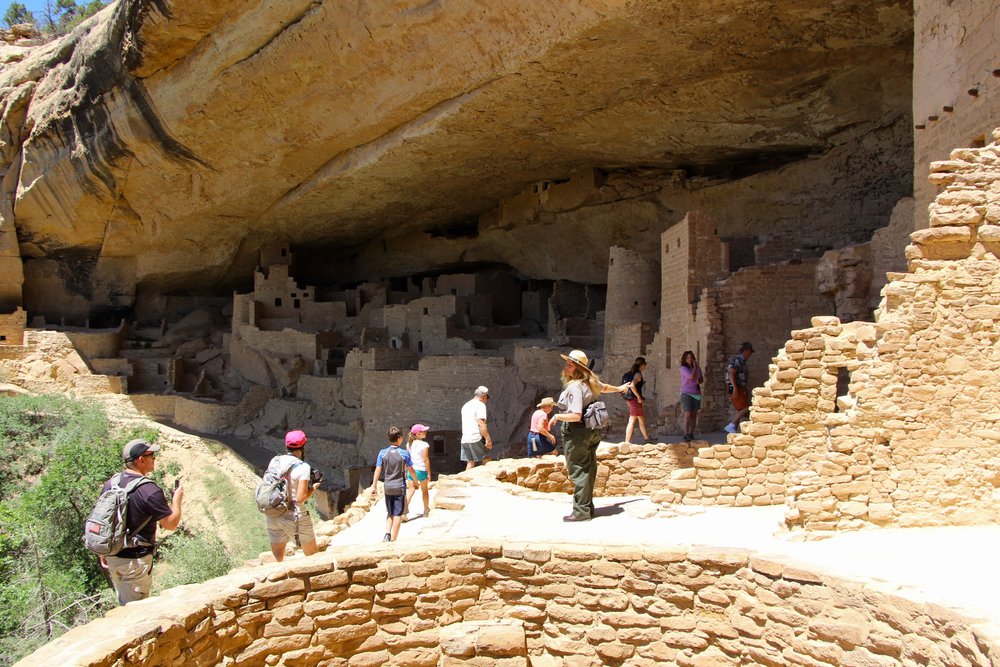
(760, 304)
(487, 603)
(956, 88)
(622, 470)
(434, 395)
(12, 324)
(914, 439)
(48, 363)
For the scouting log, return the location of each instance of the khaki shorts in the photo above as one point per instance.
(131, 577)
(285, 528)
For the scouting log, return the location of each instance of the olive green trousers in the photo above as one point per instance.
(580, 445)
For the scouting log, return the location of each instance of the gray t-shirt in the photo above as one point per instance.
(394, 462)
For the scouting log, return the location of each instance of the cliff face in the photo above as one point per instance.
(163, 143)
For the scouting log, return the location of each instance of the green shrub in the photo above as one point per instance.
(236, 509)
(189, 558)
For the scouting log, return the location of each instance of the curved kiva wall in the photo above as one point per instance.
(914, 439)
(622, 470)
(492, 604)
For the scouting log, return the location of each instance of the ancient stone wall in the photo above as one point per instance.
(956, 87)
(435, 392)
(539, 365)
(853, 276)
(622, 470)
(48, 363)
(885, 249)
(513, 604)
(12, 327)
(692, 259)
(96, 344)
(887, 422)
(633, 292)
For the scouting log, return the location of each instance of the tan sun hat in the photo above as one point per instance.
(548, 400)
(578, 357)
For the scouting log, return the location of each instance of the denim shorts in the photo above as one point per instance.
(394, 505)
(539, 445)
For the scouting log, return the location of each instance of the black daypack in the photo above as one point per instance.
(627, 379)
(105, 531)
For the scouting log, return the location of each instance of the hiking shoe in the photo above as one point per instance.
(688, 437)
(387, 538)
(731, 428)
(427, 513)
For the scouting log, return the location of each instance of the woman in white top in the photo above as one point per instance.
(420, 453)
(580, 387)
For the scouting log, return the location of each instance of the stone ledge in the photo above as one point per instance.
(648, 601)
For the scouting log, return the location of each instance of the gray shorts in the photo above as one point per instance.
(689, 403)
(283, 529)
(474, 451)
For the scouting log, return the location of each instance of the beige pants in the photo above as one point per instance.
(131, 577)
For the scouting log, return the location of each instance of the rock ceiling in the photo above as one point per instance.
(177, 137)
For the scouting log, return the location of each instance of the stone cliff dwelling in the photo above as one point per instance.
(185, 222)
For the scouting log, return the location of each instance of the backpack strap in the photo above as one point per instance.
(131, 536)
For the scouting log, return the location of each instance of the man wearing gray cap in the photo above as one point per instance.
(475, 436)
(131, 569)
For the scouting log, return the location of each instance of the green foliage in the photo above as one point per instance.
(17, 13)
(33, 427)
(56, 454)
(58, 17)
(191, 559)
(236, 510)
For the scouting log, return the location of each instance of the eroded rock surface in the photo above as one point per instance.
(162, 144)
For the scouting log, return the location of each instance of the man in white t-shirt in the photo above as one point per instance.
(475, 436)
(296, 522)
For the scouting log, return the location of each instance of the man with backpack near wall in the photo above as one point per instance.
(145, 505)
(299, 484)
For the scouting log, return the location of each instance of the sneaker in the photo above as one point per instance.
(387, 538)
(427, 513)
(688, 437)
(731, 428)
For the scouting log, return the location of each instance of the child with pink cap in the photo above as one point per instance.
(420, 453)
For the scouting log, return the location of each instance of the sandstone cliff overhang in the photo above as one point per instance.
(165, 141)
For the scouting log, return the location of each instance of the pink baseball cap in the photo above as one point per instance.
(295, 439)
(418, 428)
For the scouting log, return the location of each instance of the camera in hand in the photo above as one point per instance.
(315, 477)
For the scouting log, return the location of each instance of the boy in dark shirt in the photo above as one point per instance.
(396, 462)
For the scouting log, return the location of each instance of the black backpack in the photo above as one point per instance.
(627, 379)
